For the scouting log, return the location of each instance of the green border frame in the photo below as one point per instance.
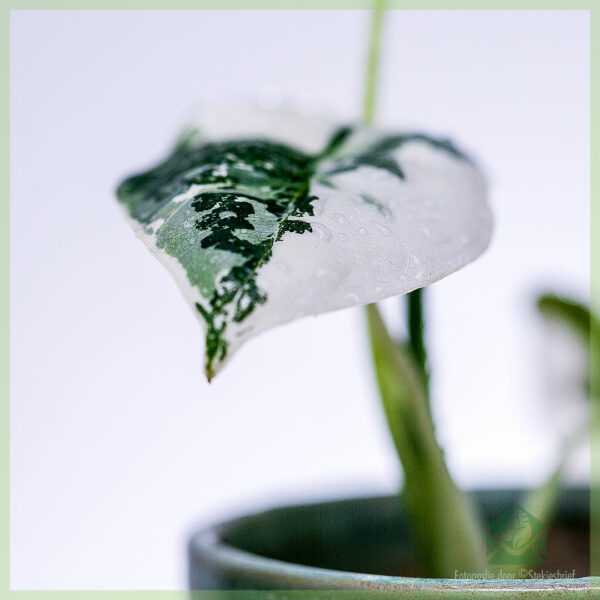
(593, 6)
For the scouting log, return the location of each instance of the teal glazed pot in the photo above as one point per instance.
(364, 545)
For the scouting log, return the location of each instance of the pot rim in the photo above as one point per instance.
(208, 545)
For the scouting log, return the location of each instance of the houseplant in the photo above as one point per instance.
(264, 217)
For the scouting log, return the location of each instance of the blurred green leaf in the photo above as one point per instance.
(584, 324)
(541, 502)
(574, 314)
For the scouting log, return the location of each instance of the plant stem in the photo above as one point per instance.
(415, 299)
(447, 528)
(373, 62)
(416, 332)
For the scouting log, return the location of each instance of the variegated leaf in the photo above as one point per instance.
(264, 217)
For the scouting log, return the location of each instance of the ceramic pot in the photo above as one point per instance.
(365, 544)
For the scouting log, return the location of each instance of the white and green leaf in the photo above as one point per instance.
(264, 217)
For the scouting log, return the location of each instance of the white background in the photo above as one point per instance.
(119, 446)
